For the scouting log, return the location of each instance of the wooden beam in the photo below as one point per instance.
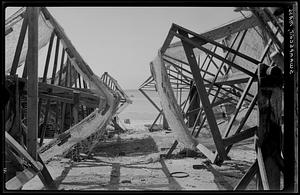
(240, 68)
(209, 154)
(238, 106)
(45, 176)
(168, 155)
(204, 97)
(24, 74)
(213, 105)
(32, 87)
(18, 50)
(199, 37)
(240, 136)
(55, 60)
(209, 81)
(243, 121)
(243, 183)
(15, 145)
(226, 30)
(167, 41)
(48, 57)
(150, 100)
(157, 117)
(70, 49)
(76, 106)
(61, 66)
(17, 182)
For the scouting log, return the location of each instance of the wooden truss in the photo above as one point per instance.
(232, 81)
(69, 106)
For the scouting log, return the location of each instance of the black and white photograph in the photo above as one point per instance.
(184, 97)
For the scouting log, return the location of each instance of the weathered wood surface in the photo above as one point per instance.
(98, 119)
(91, 124)
(32, 87)
(169, 103)
(17, 182)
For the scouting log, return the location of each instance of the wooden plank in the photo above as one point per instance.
(206, 152)
(234, 78)
(239, 136)
(169, 104)
(55, 60)
(32, 87)
(226, 100)
(62, 121)
(168, 155)
(226, 30)
(54, 97)
(61, 66)
(204, 98)
(48, 57)
(69, 99)
(262, 169)
(18, 50)
(45, 176)
(157, 117)
(44, 126)
(24, 74)
(15, 128)
(8, 30)
(76, 106)
(14, 144)
(65, 92)
(243, 183)
(150, 100)
(17, 182)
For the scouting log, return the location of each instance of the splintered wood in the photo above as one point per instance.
(169, 104)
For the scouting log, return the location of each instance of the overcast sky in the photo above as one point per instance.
(123, 40)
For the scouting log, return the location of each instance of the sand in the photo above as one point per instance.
(131, 161)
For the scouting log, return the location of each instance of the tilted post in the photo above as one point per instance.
(268, 135)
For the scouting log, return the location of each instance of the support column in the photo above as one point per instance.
(32, 87)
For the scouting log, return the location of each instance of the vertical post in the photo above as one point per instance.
(19, 45)
(194, 103)
(268, 143)
(32, 87)
(76, 106)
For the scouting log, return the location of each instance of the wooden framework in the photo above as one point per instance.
(52, 106)
(220, 86)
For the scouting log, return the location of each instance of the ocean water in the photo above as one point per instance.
(141, 111)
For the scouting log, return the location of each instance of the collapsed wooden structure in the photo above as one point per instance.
(71, 105)
(242, 66)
